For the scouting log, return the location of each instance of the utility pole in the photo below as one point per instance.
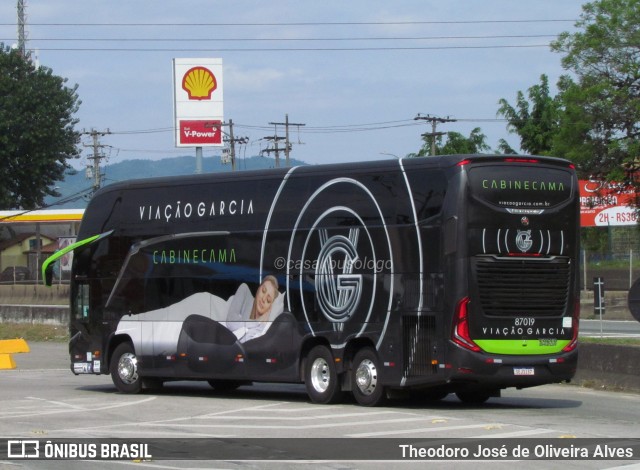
(433, 134)
(96, 157)
(232, 143)
(275, 148)
(286, 125)
(22, 37)
(226, 137)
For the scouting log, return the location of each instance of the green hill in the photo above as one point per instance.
(76, 185)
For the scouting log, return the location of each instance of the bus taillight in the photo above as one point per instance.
(522, 160)
(576, 320)
(460, 334)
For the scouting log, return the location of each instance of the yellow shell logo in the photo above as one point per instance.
(199, 83)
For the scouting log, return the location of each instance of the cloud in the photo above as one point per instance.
(249, 79)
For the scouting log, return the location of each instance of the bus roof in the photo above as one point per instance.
(440, 161)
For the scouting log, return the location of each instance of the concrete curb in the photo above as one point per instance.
(57, 315)
(607, 366)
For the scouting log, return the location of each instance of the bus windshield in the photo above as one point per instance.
(521, 186)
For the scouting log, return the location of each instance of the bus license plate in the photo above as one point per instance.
(523, 371)
(82, 368)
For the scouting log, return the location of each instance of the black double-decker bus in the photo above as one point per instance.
(449, 274)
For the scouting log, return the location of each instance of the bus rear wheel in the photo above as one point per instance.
(321, 378)
(124, 369)
(366, 386)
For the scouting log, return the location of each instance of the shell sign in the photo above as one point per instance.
(199, 83)
(198, 104)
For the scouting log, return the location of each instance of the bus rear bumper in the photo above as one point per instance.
(497, 372)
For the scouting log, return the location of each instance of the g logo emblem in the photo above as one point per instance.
(339, 259)
(338, 288)
(523, 240)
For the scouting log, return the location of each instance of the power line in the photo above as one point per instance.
(309, 23)
(290, 39)
(329, 129)
(352, 129)
(146, 131)
(292, 49)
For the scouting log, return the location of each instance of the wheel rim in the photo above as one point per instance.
(128, 368)
(366, 377)
(320, 377)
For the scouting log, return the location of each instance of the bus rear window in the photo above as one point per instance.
(520, 186)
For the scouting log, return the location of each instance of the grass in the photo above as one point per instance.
(612, 341)
(35, 332)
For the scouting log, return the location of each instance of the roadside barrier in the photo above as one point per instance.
(9, 347)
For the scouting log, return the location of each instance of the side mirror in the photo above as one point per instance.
(47, 266)
(47, 274)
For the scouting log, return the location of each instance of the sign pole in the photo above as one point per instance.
(598, 298)
(198, 160)
(584, 267)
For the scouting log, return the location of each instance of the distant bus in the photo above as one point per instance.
(438, 275)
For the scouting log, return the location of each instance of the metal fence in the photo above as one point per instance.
(618, 269)
(17, 269)
(612, 253)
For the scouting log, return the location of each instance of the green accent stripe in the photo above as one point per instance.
(74, 246)
(520, 347)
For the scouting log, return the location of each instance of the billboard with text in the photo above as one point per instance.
(605, 203)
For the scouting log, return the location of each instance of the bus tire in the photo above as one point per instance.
(225, 386)
(473, 398)
(321, 378)
(124, 369)
(433, 395)
(152, 384)
(365, 376)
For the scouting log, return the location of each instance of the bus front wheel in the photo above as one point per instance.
(366, 386)
(321, 378)
(124, 369)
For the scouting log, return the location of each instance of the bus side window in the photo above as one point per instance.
(82, 302)
(429, 188)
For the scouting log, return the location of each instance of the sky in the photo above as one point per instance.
(356, 73)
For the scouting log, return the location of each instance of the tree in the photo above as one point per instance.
(37, 134)
(456, 143)
(600, 123)
(505, 148)
(535, 121)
